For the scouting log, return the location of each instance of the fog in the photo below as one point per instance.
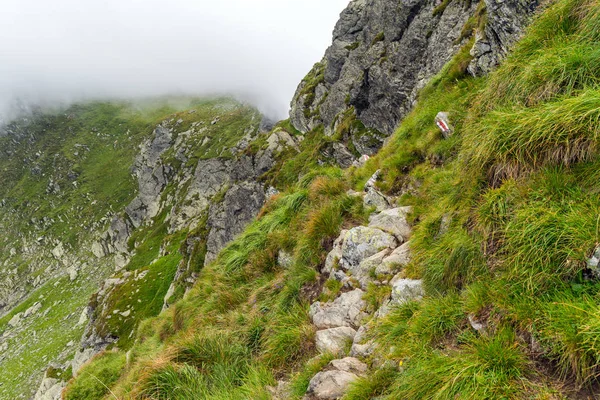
(60, 51)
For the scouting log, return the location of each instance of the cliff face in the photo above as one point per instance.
(384, 51)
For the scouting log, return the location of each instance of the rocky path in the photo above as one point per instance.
(363, 256)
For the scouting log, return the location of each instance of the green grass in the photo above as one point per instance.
(93, 145)
(95, 378)
(506, 212)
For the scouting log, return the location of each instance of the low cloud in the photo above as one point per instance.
(69, 50)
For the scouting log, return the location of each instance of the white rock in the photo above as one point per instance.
(346, 310)
(350, 364)
(398, 259)
(393, 221)
(405, 290)
(362, 242)
(15, 320)
(50, 389)
(330, 385)
(334, 340)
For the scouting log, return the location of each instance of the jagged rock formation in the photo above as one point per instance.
(384, 51)
(505, 23)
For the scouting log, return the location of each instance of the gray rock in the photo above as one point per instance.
(362, 347)
(393, 221)
(376, 199)
(382, 51)
(346, 310)
(228, 219)
(505, 21)
(281, 391)
(152, 177)
(329, 385)
(335, 254)
(404, 290)
(350, 364)
(32, 310)
(284, 259)
(82, 357)
(593, 263)
(362, 242)
(50, 389)
(363, 271)
(398, 259)
(15, 320)
(334, 340)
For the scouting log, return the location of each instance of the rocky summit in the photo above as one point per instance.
(423, 226)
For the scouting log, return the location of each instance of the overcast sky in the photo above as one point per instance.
(65, 50)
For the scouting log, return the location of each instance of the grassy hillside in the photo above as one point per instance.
(64, 176)
(506, 214)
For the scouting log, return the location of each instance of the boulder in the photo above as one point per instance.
(334, 340)
(15, 320)
(50, 389)
(335, 254)
(329, 385)
(362, 347)
(398, 259)
(373, 198)
(346, 310)
(393, 221)
(363, 272)
(405, 290)
(350, 364)
(362, 242)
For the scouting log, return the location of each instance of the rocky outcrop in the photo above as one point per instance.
(505, 22)
(228, 218)
(384, 51)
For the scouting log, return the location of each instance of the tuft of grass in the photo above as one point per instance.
(95, 378)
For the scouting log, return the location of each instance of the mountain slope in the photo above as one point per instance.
(459, 261)
(504, 226)
(101, 187)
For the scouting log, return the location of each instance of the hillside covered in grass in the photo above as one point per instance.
(498, 297)
(96, 200)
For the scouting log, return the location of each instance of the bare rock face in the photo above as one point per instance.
(506, 20)
(384, 51)
(229, 218)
